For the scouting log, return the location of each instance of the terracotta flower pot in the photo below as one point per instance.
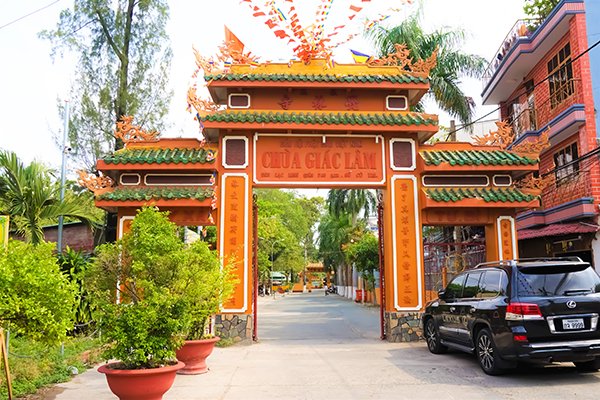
(140, 384)
(194, 354)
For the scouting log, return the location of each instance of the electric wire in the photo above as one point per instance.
(28, 15)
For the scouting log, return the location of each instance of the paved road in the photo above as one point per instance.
(327, 348)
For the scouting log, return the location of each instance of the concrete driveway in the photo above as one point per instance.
(325, 347)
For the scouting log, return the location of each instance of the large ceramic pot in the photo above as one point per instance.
(194, 354)
(140, 384)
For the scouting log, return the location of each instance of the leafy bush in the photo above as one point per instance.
(34, 364)
(73, 264)
(166, 291)
(203, 285)
(36, 300)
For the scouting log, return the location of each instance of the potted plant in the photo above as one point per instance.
(132, 284)
(203, 284)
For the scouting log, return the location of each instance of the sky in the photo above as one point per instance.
(31, 82)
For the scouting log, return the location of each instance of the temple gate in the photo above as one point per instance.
(313, 124)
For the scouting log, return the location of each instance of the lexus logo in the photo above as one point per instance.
(571, 304)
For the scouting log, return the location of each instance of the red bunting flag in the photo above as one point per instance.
(270, 24)
(355, 8)
(259, 14)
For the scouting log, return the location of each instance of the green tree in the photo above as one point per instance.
(364, 253)
(285, 229)
(452, 63)
(31, 198)
(36, 299)
(123, 66)
(539, 8)
(351, 202)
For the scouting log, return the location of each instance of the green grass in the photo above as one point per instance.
(34, 365)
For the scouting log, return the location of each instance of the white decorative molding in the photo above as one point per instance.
(177, 184)
(238, 94)
(130, 174)
(224, 147)
(387, 103)
(418, 244)
(513, 234)
(455, 176)
(510, 181)
(246, 200)
(122, 223)
(413, 151)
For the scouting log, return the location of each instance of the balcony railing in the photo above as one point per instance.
(533, 114)
(522, 28)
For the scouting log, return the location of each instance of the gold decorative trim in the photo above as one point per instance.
(129, 133)
(96, 184)
(401, 59)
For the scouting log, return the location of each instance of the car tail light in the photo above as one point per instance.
(523, 311)
(520, 338)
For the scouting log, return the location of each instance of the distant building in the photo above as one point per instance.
(542, 86)
(77, 235)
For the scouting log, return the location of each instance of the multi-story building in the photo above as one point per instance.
(543, 84)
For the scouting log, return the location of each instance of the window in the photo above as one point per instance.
(239, 100)
(562, 162)
(472, 285)
(396, 102)
(558, 280)
(492, 284)
(455, 287)
(560, 71)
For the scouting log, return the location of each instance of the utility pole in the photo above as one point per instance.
(63, 170)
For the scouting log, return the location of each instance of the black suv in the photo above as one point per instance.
(535, 310)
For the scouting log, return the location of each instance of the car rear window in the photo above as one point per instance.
(557, 280)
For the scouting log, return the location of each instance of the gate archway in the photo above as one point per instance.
(298, 125)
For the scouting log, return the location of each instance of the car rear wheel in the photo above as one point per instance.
(433, 338)
(588, 366)
(487, 354)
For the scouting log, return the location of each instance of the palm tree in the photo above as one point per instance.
(31, 198)
(452, 63)
(351, 202)
(334, 233)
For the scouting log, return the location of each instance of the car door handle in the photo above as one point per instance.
(452, 309)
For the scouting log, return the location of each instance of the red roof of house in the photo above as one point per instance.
(557, 230)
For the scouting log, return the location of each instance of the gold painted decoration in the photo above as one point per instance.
(202, 106)
(401, 58)
(503, 137)
(534, 147)
(96, 184)
(535, 185)
(129, 133)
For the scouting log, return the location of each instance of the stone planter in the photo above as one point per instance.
(194, 354)
(140, 384)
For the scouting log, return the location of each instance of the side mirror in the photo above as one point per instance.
(442, 294)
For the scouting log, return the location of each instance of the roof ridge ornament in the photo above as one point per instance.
(504, 137)
(98, 184)
(401, 58)
(128, 133)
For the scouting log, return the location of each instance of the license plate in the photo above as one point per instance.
(575, 323)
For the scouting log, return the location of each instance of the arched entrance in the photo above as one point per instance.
(298, 125)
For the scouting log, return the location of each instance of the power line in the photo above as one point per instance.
(27, 15)
(524, 92)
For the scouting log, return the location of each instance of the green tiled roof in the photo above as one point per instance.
(324, 118)
(504, 195)
(400, 78)
(475, 157)
(160, 156)
(156, 193)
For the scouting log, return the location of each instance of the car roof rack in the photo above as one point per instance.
(514, 262)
